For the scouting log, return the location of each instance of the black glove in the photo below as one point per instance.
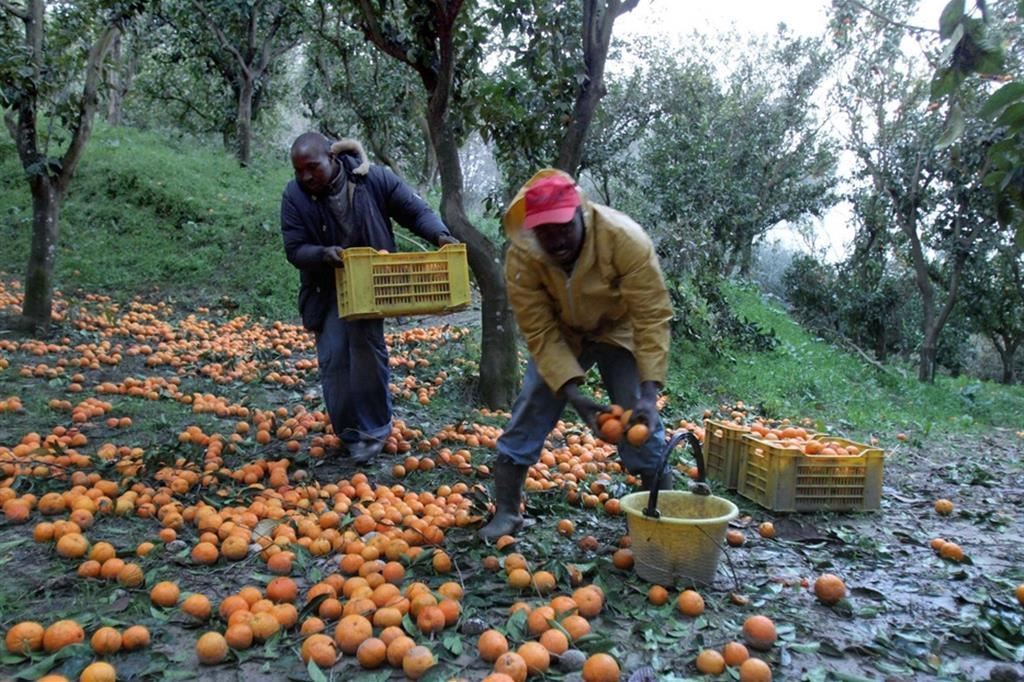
(332, 256)
(587, 409)
(646, 409)
(446, 239)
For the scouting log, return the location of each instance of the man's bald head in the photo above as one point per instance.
(312, 161)
(311, 142)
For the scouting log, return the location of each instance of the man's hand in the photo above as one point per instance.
(332, 256)
(587, 409)
(646, 409)
(446, 239)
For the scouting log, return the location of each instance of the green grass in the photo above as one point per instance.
(807, 377)
(148, 215)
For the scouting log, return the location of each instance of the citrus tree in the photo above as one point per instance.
(919, 194)
(441, 42)
(239, 42)
(352, 89)
(51, 64)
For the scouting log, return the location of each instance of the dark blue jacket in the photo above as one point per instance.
(308, 226)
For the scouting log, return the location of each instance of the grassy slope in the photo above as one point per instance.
(807, 377)
(145, 213)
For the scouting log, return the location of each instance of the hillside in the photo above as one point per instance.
(148, 214)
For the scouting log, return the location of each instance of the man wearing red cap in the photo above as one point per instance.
(586, 288)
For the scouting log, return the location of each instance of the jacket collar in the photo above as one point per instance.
(352, 156)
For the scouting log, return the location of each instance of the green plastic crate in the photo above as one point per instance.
(782, 478)
(373, 285)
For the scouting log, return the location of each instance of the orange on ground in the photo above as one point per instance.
(24, 636)
(829, 588)
(759, 632)
(135, 637)
(211, 648)
(491, 645)
(106, 641)
(239, 636)
(165, 594)
(417, 662)
(513, 665)
(734, 654)
(372, 653)
(601, 668)
(100, 671)
(755, 670)
(710, 662)
(197, 606)
(398, 648)
(690, 603)
(352, 630)
(555, 641)
(61, 634)
(943, 507)
(536, 656)
(657, 595)
(952, 551)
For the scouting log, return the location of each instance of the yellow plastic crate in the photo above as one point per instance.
(372, 285)
(723, 445)
(783, 478)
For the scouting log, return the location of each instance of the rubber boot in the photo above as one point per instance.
(509, 478)
(665, 481)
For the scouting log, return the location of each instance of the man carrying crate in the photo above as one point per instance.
(586, 288)
(338, 200)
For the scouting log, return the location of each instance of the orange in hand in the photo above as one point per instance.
(638, 434)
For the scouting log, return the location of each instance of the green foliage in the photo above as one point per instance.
(988, 46)
(351, 89)
(808, 376)
(730, 155)
(526, 103)
(146, 215)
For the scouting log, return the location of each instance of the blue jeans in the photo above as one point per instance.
(537, 409)
(354, 375)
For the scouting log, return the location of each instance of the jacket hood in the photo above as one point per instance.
(515, 214)
(351, 147)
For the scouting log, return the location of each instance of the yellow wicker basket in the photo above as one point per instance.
(685, 543)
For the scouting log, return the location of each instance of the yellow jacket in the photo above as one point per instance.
(615, 294)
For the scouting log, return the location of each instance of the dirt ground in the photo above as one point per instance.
(909, 614)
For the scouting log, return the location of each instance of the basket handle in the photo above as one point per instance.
(701, 488)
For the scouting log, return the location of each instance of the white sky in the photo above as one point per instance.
(674, 19)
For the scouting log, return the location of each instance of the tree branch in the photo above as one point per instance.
(892, 22)
(372, 30)
(87, 107)
(20, 12)
(222, 39)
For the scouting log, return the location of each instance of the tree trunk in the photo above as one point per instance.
(570, 152)
(35, 314)
(115, 78)
(429, 170)
(499, 370)
(929, 341)
(598, 19)
(244, 122)
(1007, 355)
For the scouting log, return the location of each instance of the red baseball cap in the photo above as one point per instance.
(553, 199)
